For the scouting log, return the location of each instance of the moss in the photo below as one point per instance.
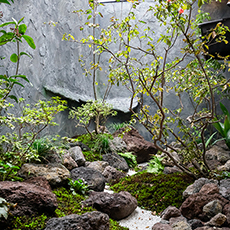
(155, 192)
(67, 204)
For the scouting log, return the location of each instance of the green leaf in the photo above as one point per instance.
(23, 53)
(4, 1)
(224, 110)
(14, 57)
(13, 97)
(22, 28)
(19, 84)
(209, 139)
(21, 20)
(227, 139)
(4, 77)
(21, 76)
(6, 38)
(7, 23)
(220, 128)
(30, 41)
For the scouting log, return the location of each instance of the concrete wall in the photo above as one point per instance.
(54, 67)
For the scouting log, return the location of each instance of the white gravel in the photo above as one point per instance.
(140, 219)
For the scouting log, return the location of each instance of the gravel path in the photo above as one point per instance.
(140, 219)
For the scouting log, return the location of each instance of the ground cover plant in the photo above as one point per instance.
(150, 189)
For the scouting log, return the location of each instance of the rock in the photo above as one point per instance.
(95, 180)
(39, 181)
(192, 207)
(30, 198)
(217, 221)
(225, 167)
(137, 144)
(181, 225)
(110, 173)
(116, 205)
(117, 145)
(160, 226)
(169, 212)
(77, 155)
(55, 174)
(197, 185)
(170, 170)
(212, 208)
(211, 228)
(209, 189)
(98, 165)
(226, 212)
(174, 220)
(116, 161)
(68, 161)
(88, 221)
(217, 156)
(195, 223)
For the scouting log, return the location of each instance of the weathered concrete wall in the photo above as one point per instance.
(54, 65)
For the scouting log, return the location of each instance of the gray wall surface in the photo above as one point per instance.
(54, 68)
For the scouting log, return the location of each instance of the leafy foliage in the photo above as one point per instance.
(224, 128)
(155, 165)
(78, 186)
(130, 158)
(97, 110)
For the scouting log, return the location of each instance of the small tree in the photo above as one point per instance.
(147, 71)
(92, 110)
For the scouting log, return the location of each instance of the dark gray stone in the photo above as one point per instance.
(95, 180)
(116, 161)
(77, 155)
(88, 221)
(110, 173)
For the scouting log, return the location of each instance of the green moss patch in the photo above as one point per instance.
(155, 192)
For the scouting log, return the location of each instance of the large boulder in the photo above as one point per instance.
(88, 221)
(56, 174)
(116, 161)
(116, 205)
(30, 198)
(95, 180)
(137, 144)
